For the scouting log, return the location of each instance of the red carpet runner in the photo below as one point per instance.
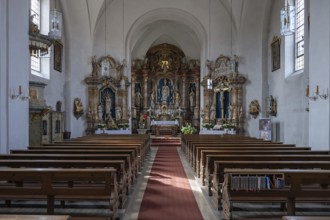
(168, 194)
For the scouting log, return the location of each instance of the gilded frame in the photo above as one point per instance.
(58, 48)
(276, 53)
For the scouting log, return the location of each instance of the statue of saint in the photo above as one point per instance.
(100, 112)
(192, 98)
(177, 99)
(118, 113)
(138, 98)
(212, 113)
(108, 105)
(165, 91)
(152, 100)
(78, 107)
(95, 66)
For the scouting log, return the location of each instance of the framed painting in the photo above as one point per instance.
(276, 53)
(58, 48)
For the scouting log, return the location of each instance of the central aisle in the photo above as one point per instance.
(168, 194)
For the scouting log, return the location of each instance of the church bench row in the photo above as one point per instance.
(192, 149)
(196, 157)
(123, 185)
(125, 156)
(35, 217)
(51, 184)
(300, 186)
(82, 147)
(186, 141)
(218, 176)
(210, 159)
(305, 218)
(130, 162)
(203, 153)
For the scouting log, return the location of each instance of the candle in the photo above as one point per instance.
(20, 90)
(307, 91)
(317, 90)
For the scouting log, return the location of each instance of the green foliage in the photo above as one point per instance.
(188, 129)
(101, 126)
(208, 125)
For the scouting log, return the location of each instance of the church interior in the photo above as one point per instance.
(147, 72)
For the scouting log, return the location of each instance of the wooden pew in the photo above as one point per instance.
(210, 159)
(34, 217)
(306, 217)
(297, 188)
(192, 149)
(197, 159)
(187, 139)
(51, 184)
(83, 147)
(203, 153)
(119, 165)
(134, 164)
(220, 166)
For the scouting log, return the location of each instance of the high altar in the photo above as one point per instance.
(165, 85)
(166, 90)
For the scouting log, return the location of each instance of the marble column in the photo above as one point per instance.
(197, 92)
(184, 92)
(145, 86)
(133, 77)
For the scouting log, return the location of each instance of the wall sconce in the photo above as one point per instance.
(324, 95)
(19, 94)
(315, 97)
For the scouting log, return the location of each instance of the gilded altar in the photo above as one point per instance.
(165, 86)
(223, 93)
(107, 95)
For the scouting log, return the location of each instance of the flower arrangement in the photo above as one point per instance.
(123, 125)
(101, 126)
(188, 129)
(142, 122)
(208, 125)
(113, 126)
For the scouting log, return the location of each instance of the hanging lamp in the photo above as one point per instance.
(288, 20)
(55, 24)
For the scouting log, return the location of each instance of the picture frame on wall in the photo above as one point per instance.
(265, 129)
(58, 49)
(276, 53)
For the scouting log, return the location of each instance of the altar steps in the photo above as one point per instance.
(165, 141)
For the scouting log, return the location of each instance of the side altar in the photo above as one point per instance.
(107, 88)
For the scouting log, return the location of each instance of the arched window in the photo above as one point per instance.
(299, 35)
(39, 11)
(294, 44)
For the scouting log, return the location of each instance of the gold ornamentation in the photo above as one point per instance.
(254, 108)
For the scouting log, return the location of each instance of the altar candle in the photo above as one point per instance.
(317, 90)
(307, 91)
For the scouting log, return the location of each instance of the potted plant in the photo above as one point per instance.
(188, 129)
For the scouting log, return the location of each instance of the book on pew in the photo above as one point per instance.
(279, 182)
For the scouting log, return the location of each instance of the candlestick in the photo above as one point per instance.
(20, 90)
(317, 90)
